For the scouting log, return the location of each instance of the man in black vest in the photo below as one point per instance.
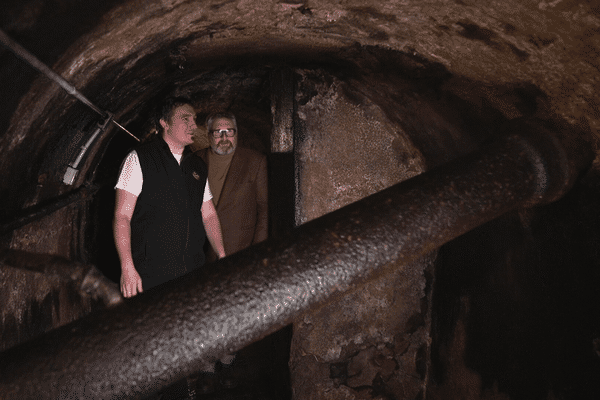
(164, 209)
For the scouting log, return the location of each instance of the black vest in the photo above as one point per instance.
(167, 232)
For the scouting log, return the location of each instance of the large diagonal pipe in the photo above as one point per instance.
(165, 334)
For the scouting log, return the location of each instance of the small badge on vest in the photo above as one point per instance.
(195, 175)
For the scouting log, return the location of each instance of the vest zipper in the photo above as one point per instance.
(187, 202)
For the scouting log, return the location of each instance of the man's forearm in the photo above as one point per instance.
(131, 282)
(214, 234)
(122, 235)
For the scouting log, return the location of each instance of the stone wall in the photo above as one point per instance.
(374, 340)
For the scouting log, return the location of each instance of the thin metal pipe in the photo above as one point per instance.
(40, 66)
(169, 332)
(123, 129)
(72, 169)
(99, 129)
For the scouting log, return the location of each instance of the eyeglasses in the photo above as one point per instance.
(218, 133)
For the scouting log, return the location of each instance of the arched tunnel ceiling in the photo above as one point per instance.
(124, 54)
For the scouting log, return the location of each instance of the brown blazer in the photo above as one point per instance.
(243, 204)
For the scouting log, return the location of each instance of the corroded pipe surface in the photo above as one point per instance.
(158, 337)
(87, 278)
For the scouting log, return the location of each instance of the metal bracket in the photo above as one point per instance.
(72, 169)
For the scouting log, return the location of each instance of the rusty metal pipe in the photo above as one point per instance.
(165, 334)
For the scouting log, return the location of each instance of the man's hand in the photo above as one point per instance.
(131, 282)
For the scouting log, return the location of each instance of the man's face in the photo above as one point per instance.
(222, 145)
(180, 129)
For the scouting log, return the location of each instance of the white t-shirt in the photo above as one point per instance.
(132, 179)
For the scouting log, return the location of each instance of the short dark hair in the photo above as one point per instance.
(166, 108)
(212, 117)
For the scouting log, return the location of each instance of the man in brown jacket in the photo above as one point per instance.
(238, 181)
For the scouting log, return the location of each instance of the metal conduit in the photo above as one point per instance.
(32, 60)
(165, 334)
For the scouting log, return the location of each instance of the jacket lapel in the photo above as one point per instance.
(231, 179)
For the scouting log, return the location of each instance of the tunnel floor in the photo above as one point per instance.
(260, 372)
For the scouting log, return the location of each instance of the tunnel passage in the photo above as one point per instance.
(352, 110)
(446, 76)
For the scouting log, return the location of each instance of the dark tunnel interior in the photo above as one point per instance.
(375, 95)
